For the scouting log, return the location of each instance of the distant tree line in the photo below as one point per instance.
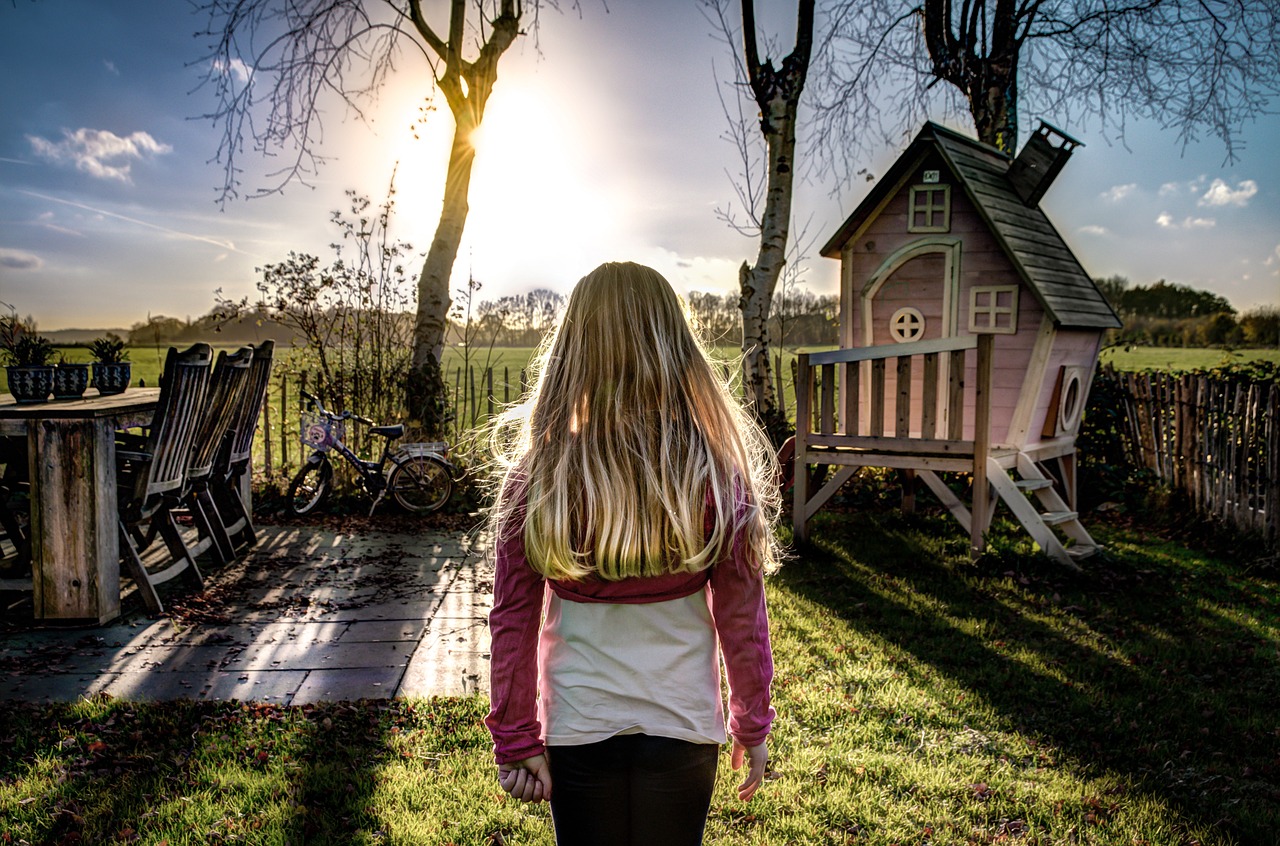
(1169, 315)
(799, 318)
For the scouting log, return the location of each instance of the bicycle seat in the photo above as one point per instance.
(389, 432)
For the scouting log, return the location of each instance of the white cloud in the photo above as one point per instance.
(1116, 193)
(102, 214)
(1166, 221)
(1220, 194)
(237, 68)
(1169, 188)
(1274, 258)
(111, 67)
(19, 260)
(1093, 229)
(99, 152)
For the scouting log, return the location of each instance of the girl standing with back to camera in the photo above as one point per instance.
(631, 531)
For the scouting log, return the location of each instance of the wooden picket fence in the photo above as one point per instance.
(1216, 440)
(475, 396)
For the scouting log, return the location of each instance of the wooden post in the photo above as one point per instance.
(284, 421)
(827, 414)
(266, 433)
(877, 397)
(471, 391)
(488, 382)
(981, 445)
(804, 422)
(850, 397)
(929, 398)
(902, 408)
(75, 554)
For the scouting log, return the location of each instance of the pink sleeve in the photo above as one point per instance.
(513, 665)
(742, 623)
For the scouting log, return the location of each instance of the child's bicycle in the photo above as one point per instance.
(418, 476)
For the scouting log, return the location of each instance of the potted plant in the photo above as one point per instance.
(70, 379)
(111, 368)
(27, 356)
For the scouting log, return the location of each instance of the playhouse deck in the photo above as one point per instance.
(847, 417)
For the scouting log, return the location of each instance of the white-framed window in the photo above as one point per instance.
(906, 325)
(1071, 400)
(929, 208)
(993, 309)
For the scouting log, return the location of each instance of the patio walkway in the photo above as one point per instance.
(308, 615)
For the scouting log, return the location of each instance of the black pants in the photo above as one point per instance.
(632, 790)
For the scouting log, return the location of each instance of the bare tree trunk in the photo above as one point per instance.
(466, 87)
(777, 93)
(426, 383)
(994, 106)
(956, 47)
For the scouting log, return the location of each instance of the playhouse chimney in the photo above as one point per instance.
(1042, 157)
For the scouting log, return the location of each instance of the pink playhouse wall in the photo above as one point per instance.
(920, 282)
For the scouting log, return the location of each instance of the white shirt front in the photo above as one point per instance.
(607, 669)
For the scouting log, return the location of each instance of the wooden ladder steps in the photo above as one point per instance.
(1080, 552)
(1034, 484)
(1053, 518)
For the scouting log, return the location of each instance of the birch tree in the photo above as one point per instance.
(1194, 66)
(776, 93)
(273, 65)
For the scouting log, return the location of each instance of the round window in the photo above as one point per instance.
(1069, 401)
(906, 325)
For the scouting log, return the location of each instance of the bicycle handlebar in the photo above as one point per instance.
(346, 415)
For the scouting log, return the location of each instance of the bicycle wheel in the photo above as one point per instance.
(310, 488)
(421, 484)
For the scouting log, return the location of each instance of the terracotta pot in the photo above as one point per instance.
(30, 383)
(111, 378)
(70, 381)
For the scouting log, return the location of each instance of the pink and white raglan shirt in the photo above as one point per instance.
(579, 662)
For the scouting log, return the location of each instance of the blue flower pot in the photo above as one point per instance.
(111, 378)
(30, 383)
(70, 381)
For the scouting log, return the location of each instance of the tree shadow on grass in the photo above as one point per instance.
(369, 772)
(1151, 664)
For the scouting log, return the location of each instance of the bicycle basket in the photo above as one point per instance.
(320, 432)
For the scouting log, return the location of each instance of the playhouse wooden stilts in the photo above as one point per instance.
(969, 337)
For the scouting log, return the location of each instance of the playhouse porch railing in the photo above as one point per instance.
(951, 432)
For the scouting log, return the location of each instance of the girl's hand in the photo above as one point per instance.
(757, 757)
(528, 780)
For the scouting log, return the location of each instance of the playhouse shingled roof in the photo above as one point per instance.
(1031, 242)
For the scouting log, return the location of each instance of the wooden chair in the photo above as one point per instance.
(231, 470)
(216, 424)
(152, 473)
(15, 567)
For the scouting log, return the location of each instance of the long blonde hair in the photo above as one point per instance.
(627, 439)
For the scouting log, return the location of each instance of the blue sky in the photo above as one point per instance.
(608, 145)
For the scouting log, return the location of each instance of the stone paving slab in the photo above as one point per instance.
(453, 660)
(347, 685)
(383, 630)
(318, 615)
(276, 687)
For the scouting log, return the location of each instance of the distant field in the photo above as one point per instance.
(148, 361)
(1174, 358)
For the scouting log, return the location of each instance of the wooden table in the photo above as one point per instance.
(75, 546)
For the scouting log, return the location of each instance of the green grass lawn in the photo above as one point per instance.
(1175, 358)
(921, 699)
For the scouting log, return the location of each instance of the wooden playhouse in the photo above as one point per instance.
(969, 334)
